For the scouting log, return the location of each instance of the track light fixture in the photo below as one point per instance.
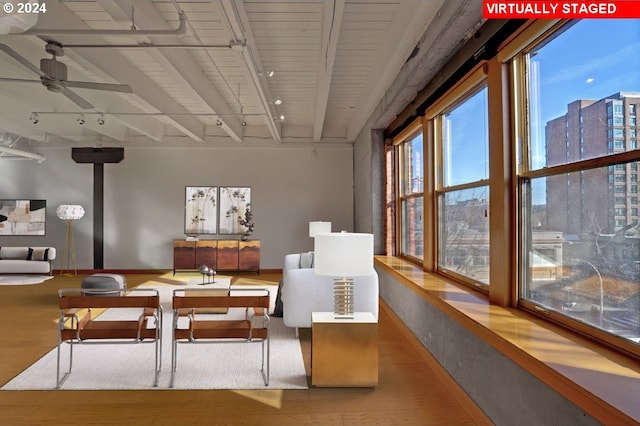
(218, 122)
(80, 120)
(270, 73)
(100, 119)
(34, 118)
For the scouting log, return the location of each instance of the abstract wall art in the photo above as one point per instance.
(234, 201)
(201, 208)
(22, 217)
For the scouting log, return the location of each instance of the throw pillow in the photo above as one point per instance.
(306, 260)
(39, 254)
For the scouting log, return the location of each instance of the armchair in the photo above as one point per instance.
(304, 292)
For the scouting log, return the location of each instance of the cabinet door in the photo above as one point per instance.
(184, 254)
(249, 257)
(227, 255)
(206, 253)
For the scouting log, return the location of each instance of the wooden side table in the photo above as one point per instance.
(344, 352)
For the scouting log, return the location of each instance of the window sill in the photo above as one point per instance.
(600, 381)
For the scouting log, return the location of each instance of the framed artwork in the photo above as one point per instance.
(22, 217)
(234, 201)
(200, 210)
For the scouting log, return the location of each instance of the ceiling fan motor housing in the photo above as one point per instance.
(54, 69)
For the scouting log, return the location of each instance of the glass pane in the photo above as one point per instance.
(464, 233)
(583, 92)
(583, 249)
(413, 174)
(466, 141)
(412, 227)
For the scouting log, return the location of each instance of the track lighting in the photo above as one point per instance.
(101, 119)
(34, 118)
(270, 73)
(80, 120)
(218, 122)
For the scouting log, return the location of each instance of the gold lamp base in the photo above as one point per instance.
(343, 298)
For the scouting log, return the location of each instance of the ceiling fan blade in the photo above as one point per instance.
(76, 99)
(123, 88)
(15, 55)
(19, 80)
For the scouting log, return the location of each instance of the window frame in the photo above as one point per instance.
(406, 136)
(536, 33)
(466, 88)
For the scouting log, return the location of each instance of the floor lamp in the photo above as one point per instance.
(69, 213)
(343, 255)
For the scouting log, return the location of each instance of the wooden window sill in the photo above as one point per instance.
(600, 381)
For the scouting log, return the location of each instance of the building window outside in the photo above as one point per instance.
(463, 196)
(567, 194)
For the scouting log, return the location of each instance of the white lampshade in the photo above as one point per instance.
(319, 228)
(343, 254)
(70, 211)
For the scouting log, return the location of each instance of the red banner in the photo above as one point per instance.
(502, 9)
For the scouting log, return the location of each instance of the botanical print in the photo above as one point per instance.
(234, 201)
(22, 217)
(201, 210)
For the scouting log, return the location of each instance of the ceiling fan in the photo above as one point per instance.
(53, 75)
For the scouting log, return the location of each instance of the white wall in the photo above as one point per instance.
(144, 198)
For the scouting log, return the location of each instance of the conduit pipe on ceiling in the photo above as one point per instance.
(20, 153)
(181, 30)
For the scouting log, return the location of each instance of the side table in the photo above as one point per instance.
(344, 352)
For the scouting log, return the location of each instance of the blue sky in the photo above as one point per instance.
(592, 59)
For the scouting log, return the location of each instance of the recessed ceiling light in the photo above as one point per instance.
(282, 118)
(270, 73)
(278, 102)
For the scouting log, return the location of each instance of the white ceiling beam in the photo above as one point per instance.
(185, 67)
(331, 23)
(238, 23)
(409, 23)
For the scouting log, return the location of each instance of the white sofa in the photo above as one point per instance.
(304, 292)
(27, 260)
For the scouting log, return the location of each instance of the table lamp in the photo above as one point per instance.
(318, 227)
(69, 213)
(343, 255)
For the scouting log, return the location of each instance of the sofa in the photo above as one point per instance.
(304, 292)
(27, 260)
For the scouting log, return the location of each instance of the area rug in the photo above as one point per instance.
(205, 366)
(23, 279)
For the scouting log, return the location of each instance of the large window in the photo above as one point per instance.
(581, 241)
(463, 192)
(412, 195)
(531, 185)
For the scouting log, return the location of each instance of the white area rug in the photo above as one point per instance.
(203, 366)
(23, 279)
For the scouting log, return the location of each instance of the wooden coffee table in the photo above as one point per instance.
(219, 287)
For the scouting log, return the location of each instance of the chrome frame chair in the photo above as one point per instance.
(78, 326)
(206, 328)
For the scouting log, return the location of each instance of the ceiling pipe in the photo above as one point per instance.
(20, 153)
(155, 45)
(181, 30)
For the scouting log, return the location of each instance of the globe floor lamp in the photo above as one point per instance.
(69, 213)
(343, 255)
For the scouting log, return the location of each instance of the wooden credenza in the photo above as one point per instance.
(221, 255)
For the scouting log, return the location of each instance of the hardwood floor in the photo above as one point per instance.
(412, 389)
